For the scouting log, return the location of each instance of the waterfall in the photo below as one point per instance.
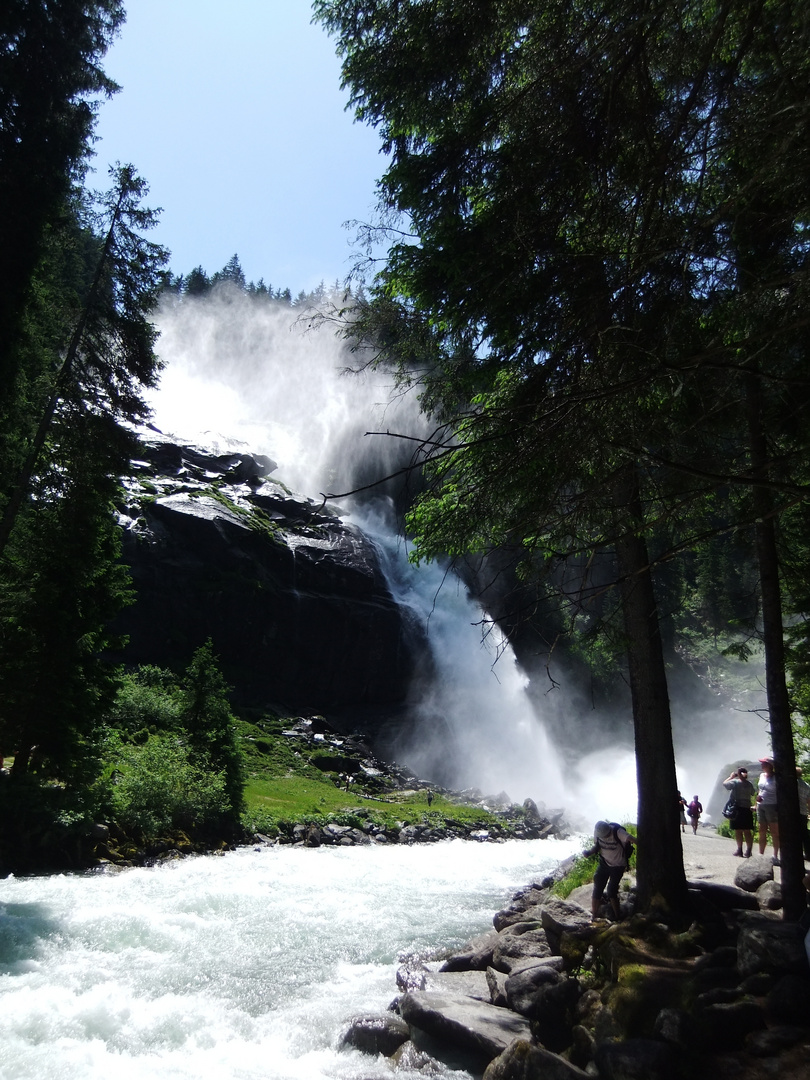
(257, 373)
(473, 725)
(252, 372)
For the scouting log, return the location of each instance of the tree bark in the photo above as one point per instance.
(794, 897)
(661, 880)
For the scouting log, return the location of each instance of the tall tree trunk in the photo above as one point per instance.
(660, 874)
(794, 897)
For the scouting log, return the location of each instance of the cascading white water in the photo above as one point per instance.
(244, 967)
(472, 724)
(252, 372)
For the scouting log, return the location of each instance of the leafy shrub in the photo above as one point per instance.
(148, 699)
(159, 788)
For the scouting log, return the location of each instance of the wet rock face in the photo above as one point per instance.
(293, 599)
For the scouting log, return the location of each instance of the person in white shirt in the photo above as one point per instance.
(766, 808)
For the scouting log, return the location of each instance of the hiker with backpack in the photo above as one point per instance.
(694, 810)
(613, 844)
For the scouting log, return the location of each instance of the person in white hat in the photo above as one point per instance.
(613, 844)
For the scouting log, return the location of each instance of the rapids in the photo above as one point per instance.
(236, 967)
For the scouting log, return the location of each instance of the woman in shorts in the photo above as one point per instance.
(766, 809)
(741, 790)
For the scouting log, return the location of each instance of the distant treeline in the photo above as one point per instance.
(199, 283)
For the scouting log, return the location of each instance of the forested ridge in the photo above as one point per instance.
(601, 301)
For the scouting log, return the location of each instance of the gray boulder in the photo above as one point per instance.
(769, 896)
(411, 975)
(496, 981)
(471, 984)
(410, 1057)
(477, 956)
(376, 1034)
(725, 1025)
(525, 989)
(788, 1002)
(523, 925)
(463, 1023)
(547, 997)
(753, 872)
(524, 1060)
(563, 917)
(411, 834)
(531, 896)
(724, 897)
(636, 1059)
(512, 950)
(770, 946)
(504, 919)
(336, 832)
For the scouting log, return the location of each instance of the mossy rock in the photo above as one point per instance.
(573, 949)
(639, 994)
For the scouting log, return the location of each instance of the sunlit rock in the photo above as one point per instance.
(471, 1025)
(293, 598)
(376, 1034)
(523, 1060)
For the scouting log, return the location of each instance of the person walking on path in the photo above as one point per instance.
(613, 844)
(695, 809)
(682, 811)
(741, 791)
(766, 809)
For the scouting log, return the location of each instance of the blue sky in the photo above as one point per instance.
(232, 111)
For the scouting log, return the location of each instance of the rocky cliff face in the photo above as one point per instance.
(292, 597)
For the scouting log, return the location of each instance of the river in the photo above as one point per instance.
(235, 967)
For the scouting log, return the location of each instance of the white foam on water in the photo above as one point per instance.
(234, 968)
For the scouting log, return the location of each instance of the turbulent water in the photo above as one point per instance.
(236, 967)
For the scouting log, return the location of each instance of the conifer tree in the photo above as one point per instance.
(50, 82)
(573, 178)
(61, 587)
(207, 718)
(109, 356)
